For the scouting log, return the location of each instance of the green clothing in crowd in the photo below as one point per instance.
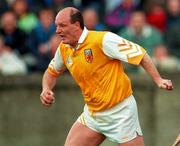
(148, 39)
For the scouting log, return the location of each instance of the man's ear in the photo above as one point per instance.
(77, 24)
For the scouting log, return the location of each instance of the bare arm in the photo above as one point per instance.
(150, 68)
(48, 81)
(47, 95)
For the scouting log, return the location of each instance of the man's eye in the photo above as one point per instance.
(62, 25)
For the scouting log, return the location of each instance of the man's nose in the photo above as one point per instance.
(58, 30)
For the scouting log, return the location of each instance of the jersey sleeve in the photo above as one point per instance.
(56, 66)
(119, 48)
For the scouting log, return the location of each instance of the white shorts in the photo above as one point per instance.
(119, 124)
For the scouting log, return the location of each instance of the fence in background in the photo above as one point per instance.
(25, 122)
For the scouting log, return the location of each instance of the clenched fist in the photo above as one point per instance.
(165, 84)
(47, 97)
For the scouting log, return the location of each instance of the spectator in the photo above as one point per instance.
(3, 6)
(119, 16)
(172, 39)
(40, 36)
(14, 37)
(36, 5)
(173, 12)
(98, 6)
(10, 2)
(53, 44)
(26, 20)
(10, 63)
(157, 17)
(141, 33)
(164, 61)
(91, 20)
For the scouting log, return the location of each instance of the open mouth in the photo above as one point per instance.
(61, 35)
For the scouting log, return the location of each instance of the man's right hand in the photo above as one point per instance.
(47, 97)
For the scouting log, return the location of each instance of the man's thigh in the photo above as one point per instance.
(80, 135)
(138, 141)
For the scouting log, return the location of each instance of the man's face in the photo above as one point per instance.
(90, 18)
(9, 22)
(65, 29)
(46, 18)
(137, 22)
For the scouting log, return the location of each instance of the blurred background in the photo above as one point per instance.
(28, 43)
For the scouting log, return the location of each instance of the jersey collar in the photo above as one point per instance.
(83, 35)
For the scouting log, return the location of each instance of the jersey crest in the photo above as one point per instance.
(88, 55)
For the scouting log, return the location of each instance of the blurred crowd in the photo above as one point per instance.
(28, 40)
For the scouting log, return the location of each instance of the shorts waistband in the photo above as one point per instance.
(112, 109)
